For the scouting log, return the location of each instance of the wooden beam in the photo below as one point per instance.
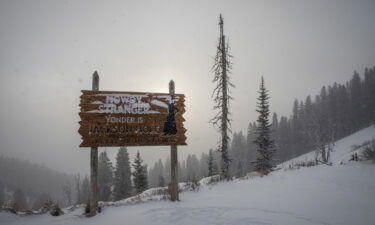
(94, 163)
(174, 160)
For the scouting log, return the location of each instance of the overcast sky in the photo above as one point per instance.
(49, 50)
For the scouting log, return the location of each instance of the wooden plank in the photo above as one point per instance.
(133, 141)
(95, 130)
(92, 92)
(125, 119)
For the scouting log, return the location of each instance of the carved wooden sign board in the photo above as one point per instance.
(111, 118)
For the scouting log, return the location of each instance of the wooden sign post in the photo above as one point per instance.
(94, 162)
(174, 160)
(113, 118)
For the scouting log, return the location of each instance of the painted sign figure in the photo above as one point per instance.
(170, 125)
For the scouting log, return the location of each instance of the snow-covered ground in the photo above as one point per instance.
(340, 194)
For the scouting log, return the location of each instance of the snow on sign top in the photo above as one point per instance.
(111, 118)
(132, 103)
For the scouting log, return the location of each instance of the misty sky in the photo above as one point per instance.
(49, 50)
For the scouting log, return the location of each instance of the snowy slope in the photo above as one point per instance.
(340, 194)
(342, 149)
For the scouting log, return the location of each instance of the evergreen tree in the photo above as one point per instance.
(155, 173)
(153, 178)
(2, 194)
(264, 142)
(210, 163)
(238, 155)
(343, 116)
(275, 134)
(122, 180)
(320, 128)
(275, 122)
(192, 166)
(19, 201)
(369, 95)
(251, 148)
(105, 177)
(167, 170)
(77, 181)
(221, 98)
(161, 181)
(67, 193)
(139, 174)
(356, 111)
(43, 199)
(85, 190)
(296, 129)
(179, 168)
(284, 144)
(203, 167)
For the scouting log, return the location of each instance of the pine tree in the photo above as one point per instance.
(77, 183)
(283, 152)
(275, 134)
(264, 142)
(203, 167)
(43, 200)
(369, 95)
(67, 193)
(19, 200)
(2, 194)
(85, 190)
(321, 130)
(238, 155)
(192, 165)
(210, 163)
(122, 180)
(355, 102)
(139, 174)
(167, 170)
(155, 174)
(221, 97)
(296, 128)
(251, 148)
(161, 181)
(105, 177)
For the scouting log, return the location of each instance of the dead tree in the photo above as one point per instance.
(221, 97)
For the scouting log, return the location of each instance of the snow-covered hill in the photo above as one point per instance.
(340, 194)
(343, 148)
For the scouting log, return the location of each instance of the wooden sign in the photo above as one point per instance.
(110, 118)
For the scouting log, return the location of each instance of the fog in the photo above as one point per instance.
(50, 49)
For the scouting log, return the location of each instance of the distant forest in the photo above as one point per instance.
(30, 180)
(337, 111)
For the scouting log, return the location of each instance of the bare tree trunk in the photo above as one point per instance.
(221, 98)
(224, 120)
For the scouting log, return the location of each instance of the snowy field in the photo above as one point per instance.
(340, 194)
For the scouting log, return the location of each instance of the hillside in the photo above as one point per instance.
(33, 179)
(343, 193)
(342, 148)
